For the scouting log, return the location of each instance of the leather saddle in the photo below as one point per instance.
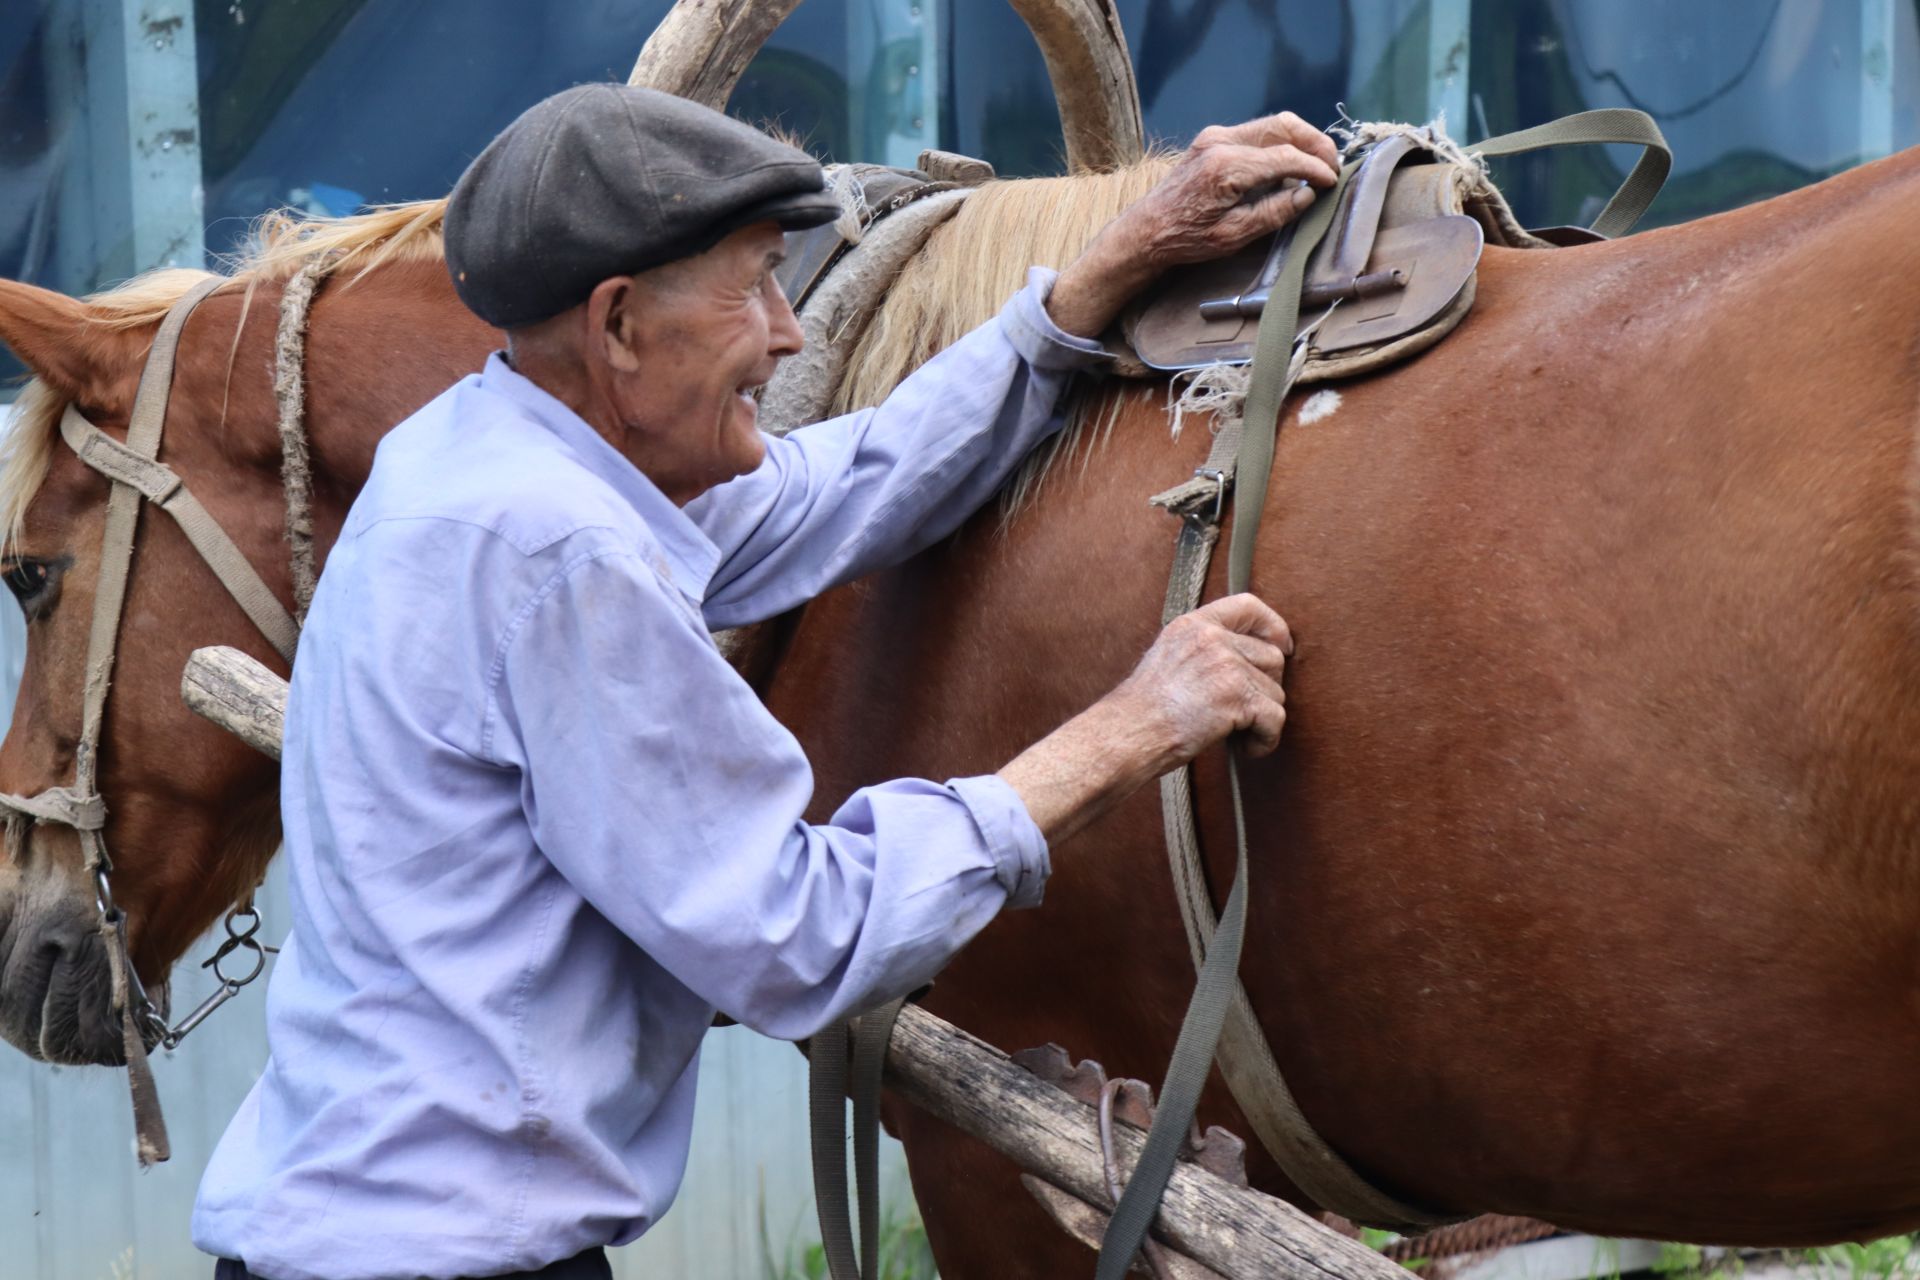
(1394, 274)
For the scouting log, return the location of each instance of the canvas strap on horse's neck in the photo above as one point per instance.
(1220, 1020)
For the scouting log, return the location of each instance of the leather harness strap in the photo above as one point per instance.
(159, 485)
(116, 562)
(831, 1076)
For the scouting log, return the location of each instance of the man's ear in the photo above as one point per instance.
(611, 323)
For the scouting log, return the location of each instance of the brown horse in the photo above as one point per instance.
(1584, 878)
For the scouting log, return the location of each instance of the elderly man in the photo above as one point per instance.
(538, 830)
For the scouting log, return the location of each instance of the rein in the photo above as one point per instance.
(136, 475)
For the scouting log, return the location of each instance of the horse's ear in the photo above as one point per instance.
(58, 338)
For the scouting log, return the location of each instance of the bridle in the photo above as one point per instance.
(136, 475)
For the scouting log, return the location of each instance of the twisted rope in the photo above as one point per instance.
(290, 393)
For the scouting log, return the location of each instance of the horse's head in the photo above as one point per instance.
(191, 814)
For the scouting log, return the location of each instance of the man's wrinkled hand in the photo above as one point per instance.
(1210, 673)
(1233, 185)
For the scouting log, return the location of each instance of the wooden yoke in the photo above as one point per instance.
(702, 48)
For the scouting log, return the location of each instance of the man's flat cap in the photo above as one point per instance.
(606, 180)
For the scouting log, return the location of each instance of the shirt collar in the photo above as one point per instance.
(691, 556)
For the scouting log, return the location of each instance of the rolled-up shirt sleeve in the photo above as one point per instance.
(857, 493)
(656, 783)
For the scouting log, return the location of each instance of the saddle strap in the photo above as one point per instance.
(1219, 1003)
(1193, 1051)
(831, 1075)
(1609, 124)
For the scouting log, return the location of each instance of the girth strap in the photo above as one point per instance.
(1245, 1055)
(1219, 1017)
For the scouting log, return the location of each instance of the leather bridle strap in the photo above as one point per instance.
(109, 601)
(159, 485)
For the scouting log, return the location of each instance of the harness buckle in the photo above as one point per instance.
(1219, 479)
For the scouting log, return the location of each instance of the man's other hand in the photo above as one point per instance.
(1210, 673)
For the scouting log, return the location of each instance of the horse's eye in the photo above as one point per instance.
(30, 581)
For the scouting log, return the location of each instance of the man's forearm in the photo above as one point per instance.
(1094, 287)
(1078, 772)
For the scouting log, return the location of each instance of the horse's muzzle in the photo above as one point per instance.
(56, 989)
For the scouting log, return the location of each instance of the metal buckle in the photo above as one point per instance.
(1219, 479)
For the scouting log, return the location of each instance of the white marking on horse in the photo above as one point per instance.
(1321, 404)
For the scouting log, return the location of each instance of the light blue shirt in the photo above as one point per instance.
(538, 830)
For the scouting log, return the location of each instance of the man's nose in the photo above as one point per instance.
(783, 329)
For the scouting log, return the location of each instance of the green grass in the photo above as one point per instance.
(904, 1251)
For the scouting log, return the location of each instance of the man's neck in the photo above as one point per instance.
(564, 383)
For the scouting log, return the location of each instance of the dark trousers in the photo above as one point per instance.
(591, 1265)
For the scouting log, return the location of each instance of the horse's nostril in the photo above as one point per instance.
(56, 987)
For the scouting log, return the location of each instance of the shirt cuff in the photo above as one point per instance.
(1021, 864)
(1040, 342)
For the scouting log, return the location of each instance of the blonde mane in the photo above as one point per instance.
(280, 243)
(976, 259)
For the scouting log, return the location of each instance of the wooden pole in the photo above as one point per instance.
(239, 694)
(702, 47)
(1092, 75)
(1232, 1230)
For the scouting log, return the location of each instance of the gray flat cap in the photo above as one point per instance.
(605, 180)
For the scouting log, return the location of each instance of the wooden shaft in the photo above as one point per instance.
(1234, 1230)
(1092, 75)
(238, 693)
(702, 47)
(943, 1070)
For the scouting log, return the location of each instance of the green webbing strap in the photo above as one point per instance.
(830, 1077)
(1611, 124)
(1200, 1031)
